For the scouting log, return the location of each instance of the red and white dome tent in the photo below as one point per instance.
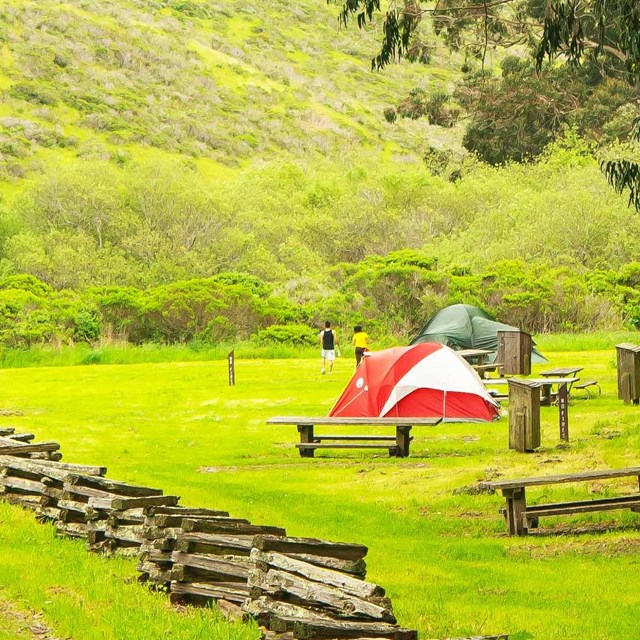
(427, 380)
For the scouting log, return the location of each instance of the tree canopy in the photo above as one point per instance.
(604, 32)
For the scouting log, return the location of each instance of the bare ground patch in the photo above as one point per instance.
(599, 547)
(30, 625)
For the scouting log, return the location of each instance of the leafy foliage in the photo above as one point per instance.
(601, 31)
(516, 116)
(624, 173)
(293, 334)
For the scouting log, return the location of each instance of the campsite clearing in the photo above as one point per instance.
(436, 545)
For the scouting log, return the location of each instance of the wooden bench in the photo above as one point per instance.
(397, 445)
(483, 369)
(586, 384)
(521, 517)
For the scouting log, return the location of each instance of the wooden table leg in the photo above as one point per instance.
(403, 438)
(516, 507)
(306, 436)
(545, 399)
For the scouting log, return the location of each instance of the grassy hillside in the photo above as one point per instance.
(225, 81)
(144, 142)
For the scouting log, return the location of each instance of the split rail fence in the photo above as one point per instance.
(295, 588)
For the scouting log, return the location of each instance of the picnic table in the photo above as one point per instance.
(546, 385)
(560, 372)
(521, 517)
(477, 356)
(398, 444)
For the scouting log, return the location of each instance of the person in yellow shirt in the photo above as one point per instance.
(360, 342)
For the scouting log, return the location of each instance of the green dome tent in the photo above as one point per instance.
(463, 326)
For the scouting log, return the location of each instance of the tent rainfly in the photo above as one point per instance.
(463, 326)
(428, 380)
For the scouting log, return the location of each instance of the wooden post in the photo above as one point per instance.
(545, 399)
(524, 415)
(306, 437)
(628, 364)
(232, 368)
(403, 438)
(514, 352)
(563, 411)
(516, 507)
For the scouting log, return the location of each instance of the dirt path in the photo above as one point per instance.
(27, 625)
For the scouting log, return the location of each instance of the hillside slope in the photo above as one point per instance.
(227, 81)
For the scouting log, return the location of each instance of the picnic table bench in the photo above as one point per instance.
(521, 517)
(482, 369)
(397, 445)
(546, 386)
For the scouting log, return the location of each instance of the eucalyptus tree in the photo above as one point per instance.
(607, 31)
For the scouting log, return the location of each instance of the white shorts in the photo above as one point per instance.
(329, 354)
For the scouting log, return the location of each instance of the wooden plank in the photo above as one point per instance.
(585, 476)
(128, 533)
(183, 511)
(20, 499)
(313, 546)
(303, 591)
(157, 556)
(22, 485)
(311, 629)
(154, 572)
(305, 447)
(238, 566)
(71, 529)
(319, 438)
(346, 583)
(18, 448)
(21, 437)
(112, 486)
(217, 544)
(356, 568)
(229, 525)
(233, 591)
(47, 514)
(584, 506)
(54, 456)
(175, 520)
(122, 503)
(50, 468)
(161, 533)
(561, 372)
(324, 420)
(266, 610)
(185, 573)
(80, 507)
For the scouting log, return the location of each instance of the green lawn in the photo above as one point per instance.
(443, 557)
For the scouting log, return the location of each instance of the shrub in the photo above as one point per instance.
(37, 94)
(297, 335)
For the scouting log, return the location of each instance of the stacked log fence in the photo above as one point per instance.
(295, 588)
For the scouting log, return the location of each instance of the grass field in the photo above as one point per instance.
(442, 554)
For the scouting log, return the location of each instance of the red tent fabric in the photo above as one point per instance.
(424, 380)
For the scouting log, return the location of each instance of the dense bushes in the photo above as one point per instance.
(393, 295)
(159, 252)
